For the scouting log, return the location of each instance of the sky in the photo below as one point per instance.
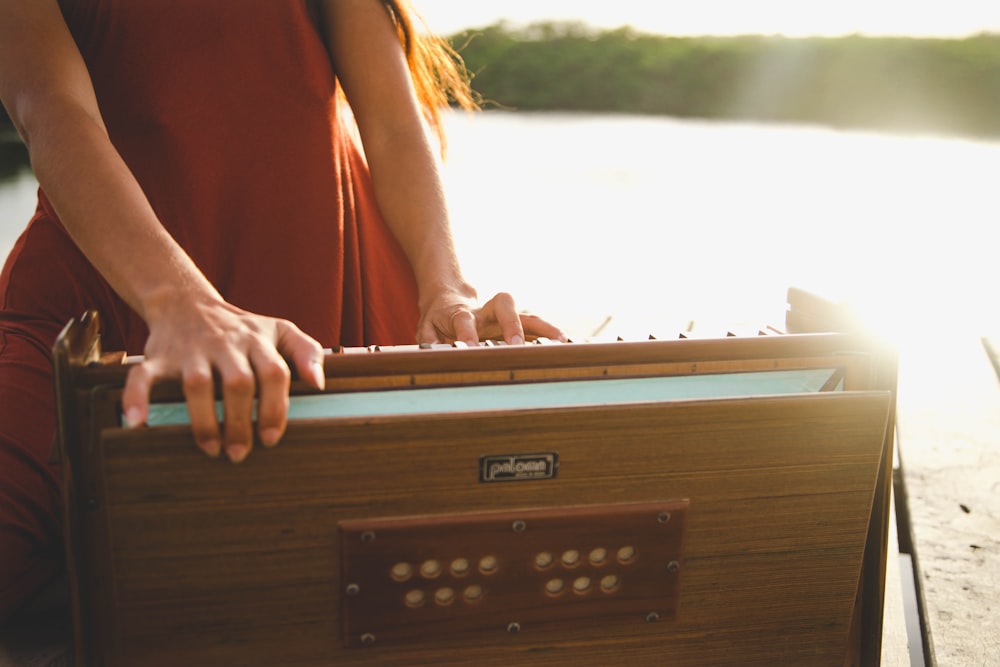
(940, 18)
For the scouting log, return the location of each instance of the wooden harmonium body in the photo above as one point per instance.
(683, 502)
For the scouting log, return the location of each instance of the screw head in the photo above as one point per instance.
(368, 536)
(652, 617)
(513, 628)
(519, 526)
(664, 517)
(368, 639)
(352, 589)
(673, 567)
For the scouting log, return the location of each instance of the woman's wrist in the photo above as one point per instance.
(437, 292)
(164, 301)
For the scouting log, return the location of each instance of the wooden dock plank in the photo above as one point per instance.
(949, 446)
(895, 644)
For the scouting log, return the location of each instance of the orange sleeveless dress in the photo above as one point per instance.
(228, 114)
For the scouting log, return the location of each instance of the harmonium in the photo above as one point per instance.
(717, 501)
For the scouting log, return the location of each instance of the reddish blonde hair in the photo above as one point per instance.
(438, 73)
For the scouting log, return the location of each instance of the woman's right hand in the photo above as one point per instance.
(197, 343)
(193, 332)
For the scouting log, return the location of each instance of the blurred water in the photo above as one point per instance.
(18, 196)
(656, 222)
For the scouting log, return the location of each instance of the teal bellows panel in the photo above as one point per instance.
(480, 398)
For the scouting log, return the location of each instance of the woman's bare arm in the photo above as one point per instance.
(372, 68)
(47, 90)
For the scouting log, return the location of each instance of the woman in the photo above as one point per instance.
(202, 188)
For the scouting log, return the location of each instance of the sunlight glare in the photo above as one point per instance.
(728, 17)
(657, 222)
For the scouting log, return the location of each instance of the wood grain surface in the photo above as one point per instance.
(223, 564)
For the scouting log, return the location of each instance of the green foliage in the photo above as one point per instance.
(13, 154)
(912, 84)
(939, 85)
(5, 123)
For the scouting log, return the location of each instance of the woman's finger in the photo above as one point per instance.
(238, 385)
(463, 325)
(427, 332)
(303, 351)
(199, 392)
(273, 382)
(536, 326)
(500, 311)
(135, 395)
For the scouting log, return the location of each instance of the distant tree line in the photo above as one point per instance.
(909, 84)
(938, 85)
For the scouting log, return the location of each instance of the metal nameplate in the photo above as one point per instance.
(518, 467)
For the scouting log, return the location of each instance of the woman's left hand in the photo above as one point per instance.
(456, 318)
